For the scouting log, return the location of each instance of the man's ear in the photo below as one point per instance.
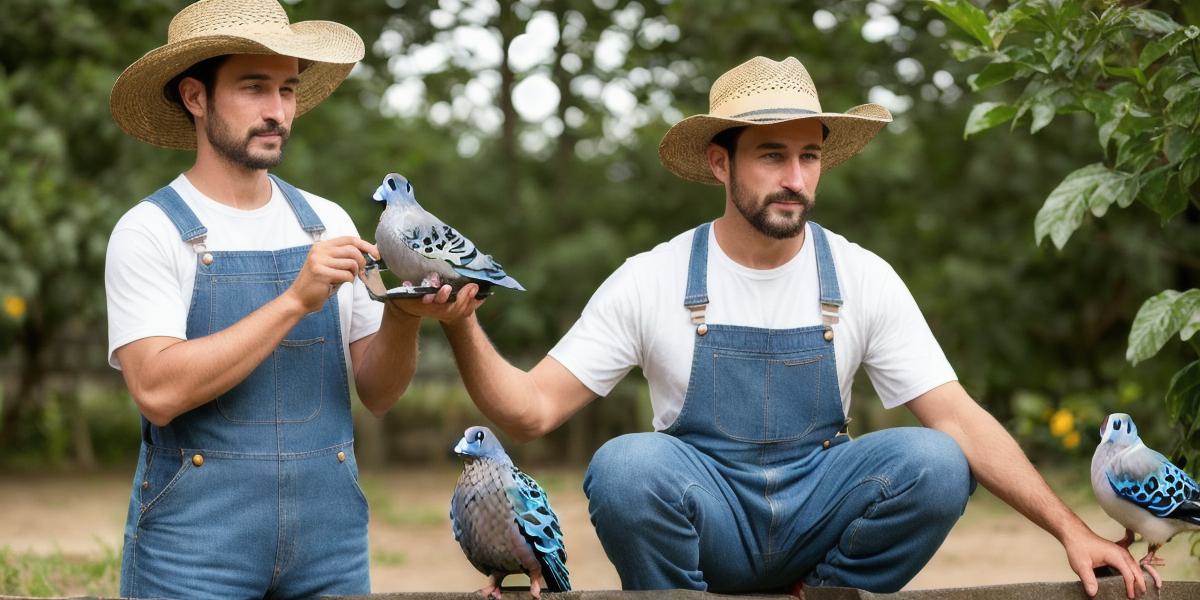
(194, 96)
(718, 161)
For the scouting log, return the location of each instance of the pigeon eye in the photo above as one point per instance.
(1117, 425)
(479, 436)
(392, 183)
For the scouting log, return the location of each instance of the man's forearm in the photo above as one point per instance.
(389, 361)
(190, 373)
(999, 464)
(505, 394)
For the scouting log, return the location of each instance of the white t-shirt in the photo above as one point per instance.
(150, 271)
(637, 318)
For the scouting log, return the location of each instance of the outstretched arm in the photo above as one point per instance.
(999, 464)
(526, 405)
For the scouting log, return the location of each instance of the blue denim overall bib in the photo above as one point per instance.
(254, 494)
(756, 485)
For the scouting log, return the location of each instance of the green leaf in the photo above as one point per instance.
(1108, 123)
(1093, 187)
(969, 18)
(1158, 319)
(987, 115)
(1133, 73)
(1004, 22)
(1189, 172)
(1184, 393)
(1166, 45)
(1159, 193)
(1152, 20)
(992, 74)
(1119, 188)
(1180, 145)
(1043, 113)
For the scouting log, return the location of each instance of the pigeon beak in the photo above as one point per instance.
(461, 447)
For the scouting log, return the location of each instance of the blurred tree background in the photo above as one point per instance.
(533, 127)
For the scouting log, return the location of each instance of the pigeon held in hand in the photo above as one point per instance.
(502, 519)
(418, 247)
(1142, 490)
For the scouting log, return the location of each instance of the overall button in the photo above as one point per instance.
(829, 335)
(341, 457)
(145, 485)
(207, 259)
(197, 460)
(702, 329)
(825, 444)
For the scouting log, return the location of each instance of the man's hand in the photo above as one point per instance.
(1087, 551)
(438, 306)
(330, 263)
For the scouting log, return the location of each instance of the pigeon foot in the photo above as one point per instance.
(1148, 563)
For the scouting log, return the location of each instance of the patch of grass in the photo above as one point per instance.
(385, 509)
(57, 574)
(383, 558)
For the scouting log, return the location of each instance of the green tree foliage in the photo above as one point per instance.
(1135, 72)
(563, 196)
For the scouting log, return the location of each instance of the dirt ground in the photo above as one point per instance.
(413, 549)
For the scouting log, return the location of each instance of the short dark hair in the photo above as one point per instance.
(728, 138)
(204, 71)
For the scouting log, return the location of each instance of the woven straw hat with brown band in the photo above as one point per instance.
(327, 51)
(762, 91)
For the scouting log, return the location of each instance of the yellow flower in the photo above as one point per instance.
(1062, 423)
(1071, 440)
(14, 306)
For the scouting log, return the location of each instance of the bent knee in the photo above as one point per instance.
(940, 466)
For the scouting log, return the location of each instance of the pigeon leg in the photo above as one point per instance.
(1148, 563)
(492, 589)
(1127, 540)
(535, 585)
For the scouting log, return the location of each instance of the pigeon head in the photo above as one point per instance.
(1118, 428)
(479, 442)
(395, 190)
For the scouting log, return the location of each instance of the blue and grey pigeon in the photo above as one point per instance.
(1142, 490)
(503, 520)
(419, 247)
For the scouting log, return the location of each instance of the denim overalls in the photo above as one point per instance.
(756, 485)
(254, 494)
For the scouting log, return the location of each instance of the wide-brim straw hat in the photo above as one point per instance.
(761, 91)
(209, 28)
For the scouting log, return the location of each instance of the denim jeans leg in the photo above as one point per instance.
(884, 505)
(663, 516)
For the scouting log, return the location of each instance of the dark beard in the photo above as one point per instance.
(237, 151)
(759, 217)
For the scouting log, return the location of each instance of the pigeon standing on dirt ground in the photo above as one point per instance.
(419, 247)
(502, 519)
(1142, 490)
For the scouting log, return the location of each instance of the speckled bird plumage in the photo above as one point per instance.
(502, 518)
(414, 243)
(1141, 489)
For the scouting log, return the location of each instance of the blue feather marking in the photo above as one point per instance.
(539, 526)
(1168, 492)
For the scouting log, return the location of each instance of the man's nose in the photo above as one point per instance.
(273, 108)
(794, 178)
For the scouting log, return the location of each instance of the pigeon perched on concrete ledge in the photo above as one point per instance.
(418, 247)
(503, 520)
(1142, 490)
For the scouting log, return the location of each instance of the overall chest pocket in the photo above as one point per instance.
(288, 385)
(766, 399)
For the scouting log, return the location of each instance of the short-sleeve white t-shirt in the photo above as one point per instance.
(149, 271)
(637, 318)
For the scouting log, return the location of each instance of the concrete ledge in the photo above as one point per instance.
(1111, 588)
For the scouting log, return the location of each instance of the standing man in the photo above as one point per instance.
(233, 324)
(750, 330)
